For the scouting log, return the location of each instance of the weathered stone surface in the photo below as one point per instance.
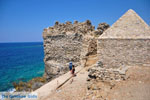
(92, 47)
(69, 28)
(101, 28)
(107, 74)
(59, 51)
(118, 52)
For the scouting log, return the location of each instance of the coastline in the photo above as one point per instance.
(30, 85)
(20, 62)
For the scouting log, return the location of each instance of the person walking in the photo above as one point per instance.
(73, 70)
(70, 67)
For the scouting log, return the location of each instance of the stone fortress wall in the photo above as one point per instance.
(68, 42)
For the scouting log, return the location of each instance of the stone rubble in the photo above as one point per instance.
(101, 80)
(108, 74)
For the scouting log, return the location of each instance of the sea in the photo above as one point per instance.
(20, 62)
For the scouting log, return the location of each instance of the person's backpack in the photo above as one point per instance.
(70, 66)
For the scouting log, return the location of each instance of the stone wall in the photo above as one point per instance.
(109, 74)
(59, 51)
(65, 42)
(119, 52)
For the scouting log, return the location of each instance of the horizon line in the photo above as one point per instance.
(22, 42)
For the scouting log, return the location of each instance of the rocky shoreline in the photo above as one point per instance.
(31, 85)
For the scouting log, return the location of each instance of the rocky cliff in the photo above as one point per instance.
(69, 42)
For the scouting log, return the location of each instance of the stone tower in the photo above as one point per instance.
(126, 42)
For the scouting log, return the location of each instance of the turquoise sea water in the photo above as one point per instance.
(20, 62)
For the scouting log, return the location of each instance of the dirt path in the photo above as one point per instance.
(137, 87)
(74, 89)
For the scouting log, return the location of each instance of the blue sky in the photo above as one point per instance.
(24, 20)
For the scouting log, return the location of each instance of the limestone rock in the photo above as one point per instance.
(36, 85)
